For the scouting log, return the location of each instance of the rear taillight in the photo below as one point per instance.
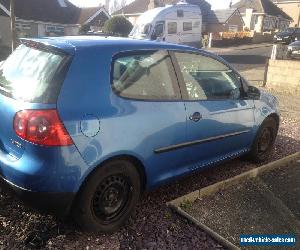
(42, 127)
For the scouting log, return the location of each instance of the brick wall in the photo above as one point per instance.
(284, 74)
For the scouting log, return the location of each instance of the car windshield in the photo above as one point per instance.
(29, 74)
(143, 29)
(289, 30)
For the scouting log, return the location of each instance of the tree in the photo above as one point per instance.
(84, 29)
(118, 25)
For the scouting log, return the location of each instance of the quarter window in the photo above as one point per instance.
(172, 28)
(206, 78)
(145, 76)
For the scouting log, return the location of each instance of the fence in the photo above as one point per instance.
(224, 39)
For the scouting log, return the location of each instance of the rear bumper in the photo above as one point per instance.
(51, 203)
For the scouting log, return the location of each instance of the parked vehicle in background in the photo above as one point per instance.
(89, 123)
(294, 50)
(180, 23)
(287, 36)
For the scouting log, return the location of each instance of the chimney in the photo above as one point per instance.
(154, 4)
(107, 5)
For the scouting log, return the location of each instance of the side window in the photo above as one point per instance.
(172, 28)
(147, 29)
(206, 78)
(145, 76)
(159, 30)
(187, 26)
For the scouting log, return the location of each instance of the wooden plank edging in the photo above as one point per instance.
(209, 190)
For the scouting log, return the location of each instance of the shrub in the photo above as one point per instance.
(118, 25)
(84, 29)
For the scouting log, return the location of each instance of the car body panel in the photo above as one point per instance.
(266, 106)
(294, 50)
(219, 118)
(287, 36)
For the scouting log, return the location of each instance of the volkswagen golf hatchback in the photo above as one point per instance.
(89, 123)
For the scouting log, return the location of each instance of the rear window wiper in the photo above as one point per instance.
(2, 88)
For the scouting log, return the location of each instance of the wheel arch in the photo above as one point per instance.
(139, 166)
(134, 160)
(275, 117)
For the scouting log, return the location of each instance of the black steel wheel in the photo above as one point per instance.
(108, 197)
(111, 197)
(264, 141)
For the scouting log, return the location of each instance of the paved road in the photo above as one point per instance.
(247, 59)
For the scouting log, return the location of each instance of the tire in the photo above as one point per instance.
(264, 141)
(108, 197)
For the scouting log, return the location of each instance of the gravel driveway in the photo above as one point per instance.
(154, 225)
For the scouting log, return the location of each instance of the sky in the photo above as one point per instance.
(216, 4)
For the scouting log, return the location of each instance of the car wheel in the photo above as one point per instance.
(264, 141)
(108, 197)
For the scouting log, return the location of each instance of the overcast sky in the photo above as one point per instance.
(216, 4)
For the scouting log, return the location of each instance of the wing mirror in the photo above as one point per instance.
(249, 92)
(253, 93)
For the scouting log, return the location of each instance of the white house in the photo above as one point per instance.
(36, 18)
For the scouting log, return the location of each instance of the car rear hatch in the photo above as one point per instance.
(30, 78)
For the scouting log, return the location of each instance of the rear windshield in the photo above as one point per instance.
(32, 75)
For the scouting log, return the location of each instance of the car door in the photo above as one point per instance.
(219, 119)
(191, 33)
(172, 32)
(151, 115)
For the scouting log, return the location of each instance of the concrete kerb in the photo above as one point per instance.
(212, 189)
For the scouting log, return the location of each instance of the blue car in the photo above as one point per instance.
(89, 123)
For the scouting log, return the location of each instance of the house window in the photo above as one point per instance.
(187, 26)
(23, 26)
(172, 28)
(55, 30)
(23, 29)
(233, 28)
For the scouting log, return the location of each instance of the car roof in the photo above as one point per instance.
(71, 43)
(297, 43)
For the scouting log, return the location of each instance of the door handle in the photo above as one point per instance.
(196, 117)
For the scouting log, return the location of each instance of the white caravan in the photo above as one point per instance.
(180, 23)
